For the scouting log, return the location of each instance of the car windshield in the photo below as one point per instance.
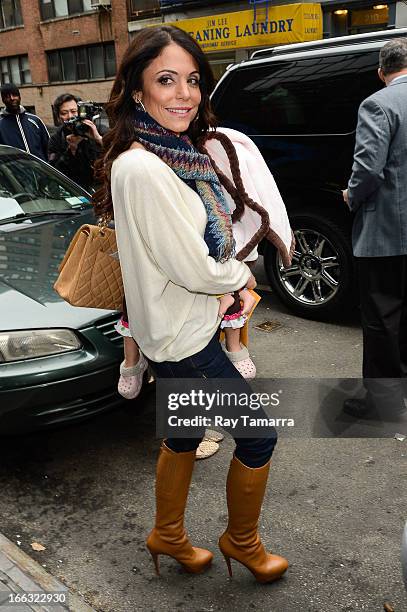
(28, 185)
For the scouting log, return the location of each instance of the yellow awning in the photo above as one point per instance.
(287, 23)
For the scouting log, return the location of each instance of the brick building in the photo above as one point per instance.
(48, 47)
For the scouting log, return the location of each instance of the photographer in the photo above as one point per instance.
(72, 153)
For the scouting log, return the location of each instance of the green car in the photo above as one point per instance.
(58, 363)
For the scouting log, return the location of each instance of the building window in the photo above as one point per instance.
(15, 70)
(80, 63)
(138, 7)
(63, 8)
(10, 14)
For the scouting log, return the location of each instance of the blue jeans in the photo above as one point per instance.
(212, 362)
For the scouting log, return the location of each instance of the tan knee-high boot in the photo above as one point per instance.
(245, 490)
(174, 472)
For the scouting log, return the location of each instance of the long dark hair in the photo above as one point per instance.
(147, 45)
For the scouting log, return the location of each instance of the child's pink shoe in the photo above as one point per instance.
(131, 379)
(242, 362)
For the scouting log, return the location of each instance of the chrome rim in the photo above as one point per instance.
(313, 277)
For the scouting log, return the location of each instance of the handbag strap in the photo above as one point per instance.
(104, 221)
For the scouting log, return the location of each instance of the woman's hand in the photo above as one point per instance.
(251, 283)
(248, 301)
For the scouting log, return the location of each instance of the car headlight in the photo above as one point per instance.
(31, 343)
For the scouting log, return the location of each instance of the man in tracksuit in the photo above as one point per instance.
(21, 129)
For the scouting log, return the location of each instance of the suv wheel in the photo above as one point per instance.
(319, 282)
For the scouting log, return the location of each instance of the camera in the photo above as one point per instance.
(86, 110)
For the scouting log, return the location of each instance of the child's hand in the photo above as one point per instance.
(248, 300)
(225, 302)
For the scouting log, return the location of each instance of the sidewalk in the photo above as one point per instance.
(22, 579)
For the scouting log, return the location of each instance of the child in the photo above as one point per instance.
(134, 365)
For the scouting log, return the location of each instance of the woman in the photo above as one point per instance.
(176, 252)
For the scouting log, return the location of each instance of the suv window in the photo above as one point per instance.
(318, 95)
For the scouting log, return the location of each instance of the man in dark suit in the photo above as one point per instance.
(377, 194)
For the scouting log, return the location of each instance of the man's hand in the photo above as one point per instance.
(73, 142)
(345, 196)
(93, 131)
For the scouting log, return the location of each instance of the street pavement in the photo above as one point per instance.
(335, 507)
(25, 586)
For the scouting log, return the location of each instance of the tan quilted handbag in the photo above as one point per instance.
(89, 274)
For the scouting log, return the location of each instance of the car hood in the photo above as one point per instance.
(29, 260)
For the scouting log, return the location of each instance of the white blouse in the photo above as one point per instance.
(170, 280)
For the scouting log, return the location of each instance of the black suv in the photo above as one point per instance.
(299, 104)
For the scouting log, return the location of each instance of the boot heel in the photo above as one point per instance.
(227, 559)
(156, 562)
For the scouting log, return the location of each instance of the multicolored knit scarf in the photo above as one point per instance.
(195, 169)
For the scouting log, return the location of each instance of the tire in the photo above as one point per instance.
(320, 282)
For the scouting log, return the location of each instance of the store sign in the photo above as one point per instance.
(368, 17)
(288, 23)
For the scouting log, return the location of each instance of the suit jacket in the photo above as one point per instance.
(378, 184)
